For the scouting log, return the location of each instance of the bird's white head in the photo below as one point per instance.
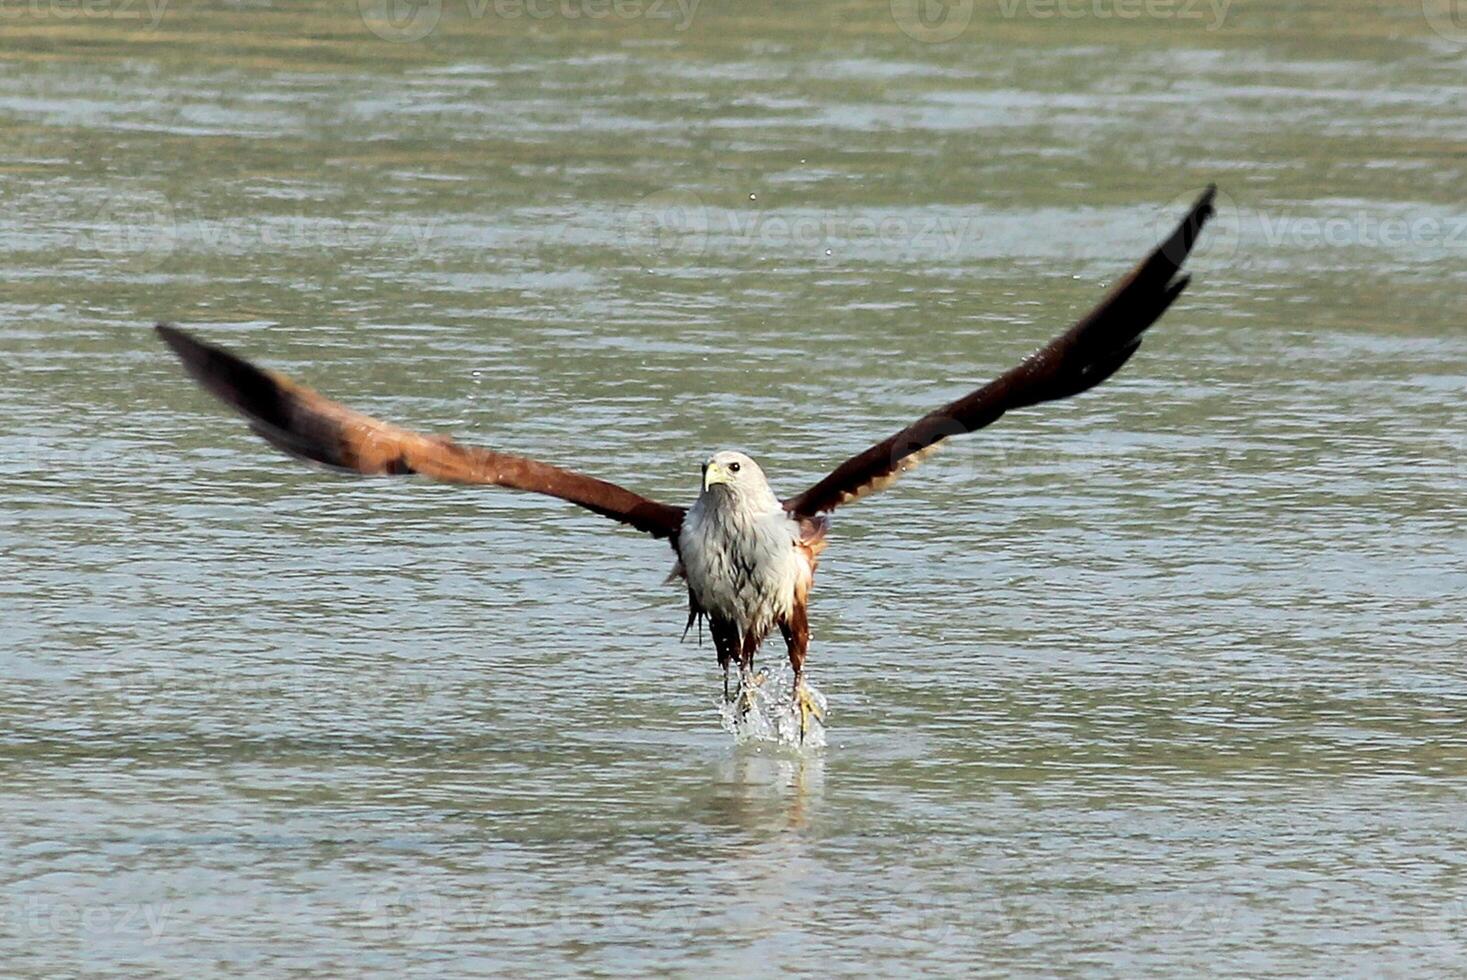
(735, 475)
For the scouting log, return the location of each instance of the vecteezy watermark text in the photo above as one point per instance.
(39, 918)
(1211, 12)
(938, 21)
(144, 229)
(1240, 235)
(151, 11)
(679, 223)
(413, 20)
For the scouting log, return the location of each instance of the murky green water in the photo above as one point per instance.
(1165, 680)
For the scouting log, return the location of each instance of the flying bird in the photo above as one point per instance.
(746, 556)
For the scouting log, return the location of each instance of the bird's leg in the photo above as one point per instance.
(806, 706)
(796, 630)
(747, 680)
(726, 642)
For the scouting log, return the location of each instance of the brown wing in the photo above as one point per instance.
(1075, 361)
(305, 424)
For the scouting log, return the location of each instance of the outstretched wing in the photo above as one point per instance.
(1075, 361)
(305, 424)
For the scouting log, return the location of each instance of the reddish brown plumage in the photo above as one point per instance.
(796, 626)
(311, 426)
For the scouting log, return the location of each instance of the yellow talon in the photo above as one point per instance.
(747, 682)
(808, 708)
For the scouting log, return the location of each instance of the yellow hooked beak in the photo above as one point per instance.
(715, 473)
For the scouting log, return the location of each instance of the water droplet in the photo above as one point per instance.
(770, 714)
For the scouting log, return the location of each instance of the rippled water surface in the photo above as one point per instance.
(1168, 679)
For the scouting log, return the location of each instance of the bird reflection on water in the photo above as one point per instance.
(769, 792)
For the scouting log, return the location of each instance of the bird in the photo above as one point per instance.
(746, 557)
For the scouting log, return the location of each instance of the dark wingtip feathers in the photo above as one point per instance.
(183, 346)
(260, 398)
(1118, 326)
(1174, 251)
(233, 380)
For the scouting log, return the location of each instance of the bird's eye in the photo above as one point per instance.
(733, 467)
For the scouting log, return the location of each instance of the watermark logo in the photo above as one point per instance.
(932, 21)
(401, 20)
(666, 223)
(1448, 18)
(138, 230)
(401, 913)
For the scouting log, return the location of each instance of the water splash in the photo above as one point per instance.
(772, 716)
